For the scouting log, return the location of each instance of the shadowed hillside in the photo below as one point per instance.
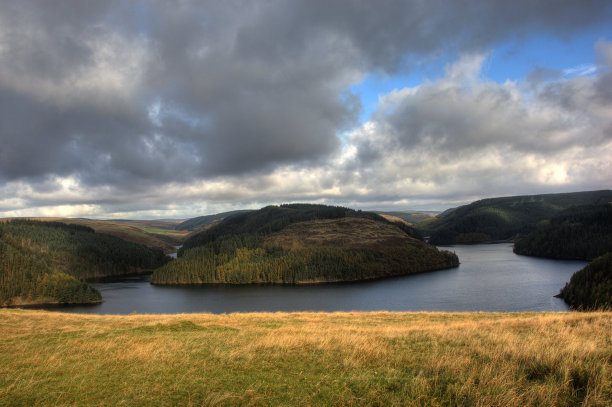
(502, 218)
(202, 221)
(591, 287)
(580, 232)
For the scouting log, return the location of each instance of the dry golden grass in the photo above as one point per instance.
(306, 359)
(345, 233)
(392, 218)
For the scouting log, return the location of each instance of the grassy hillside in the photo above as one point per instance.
(410, 217)
(502, 218)
(45, 261)
(201, 221)
(591, 287)
(159, 234)
(301, 244)
(580, 232)
(270, 219)
(349, 233)
(532, 359)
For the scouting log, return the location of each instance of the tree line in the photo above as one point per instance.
(300, 265)
(591, 287)
(580, 232)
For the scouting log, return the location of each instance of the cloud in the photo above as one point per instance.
(465, 138)
(580, 70)
(246, 101)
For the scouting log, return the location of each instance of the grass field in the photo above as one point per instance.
(418, 359)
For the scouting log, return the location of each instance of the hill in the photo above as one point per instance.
(45, 262)
(158, 234)
(502, 218)
(202, 221)
(306, 359)
(579, 232)
(410, 217)
(591, 287)
(301, 243)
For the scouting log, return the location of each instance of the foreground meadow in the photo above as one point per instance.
(306, 359)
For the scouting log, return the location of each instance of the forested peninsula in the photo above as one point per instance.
(591, 287)
(46, 262)
(302, 243)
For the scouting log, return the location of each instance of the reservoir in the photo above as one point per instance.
(490, 278)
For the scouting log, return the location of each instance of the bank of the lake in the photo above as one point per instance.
(489, 278)
(502, 359)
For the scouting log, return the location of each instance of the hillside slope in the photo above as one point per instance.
(46, 261)
(201, 221)
(27, 279)
(591, 287)
(301, 244)
(502, 218)
(579, 232)
(157, 234)
(410, 217)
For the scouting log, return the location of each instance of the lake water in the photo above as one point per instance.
(490, 278)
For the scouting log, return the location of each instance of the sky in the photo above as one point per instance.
(175, 109)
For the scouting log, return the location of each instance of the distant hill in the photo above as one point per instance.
(200, 221)
(579, 232)
(591, 287)
(301, 243)
(159, 234)
(410, 217)
(502, 218)
(47, 261)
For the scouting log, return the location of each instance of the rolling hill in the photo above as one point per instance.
(301, 243)
(579, 232)
(410, 217)
(502, 218)
(202, 221)
(45, 262)
(158, 234)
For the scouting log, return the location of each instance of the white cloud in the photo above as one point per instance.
(482, 138)
(580, 70)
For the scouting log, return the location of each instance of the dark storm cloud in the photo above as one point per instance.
(132, 93)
